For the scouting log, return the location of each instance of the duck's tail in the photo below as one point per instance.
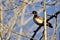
(50, 25)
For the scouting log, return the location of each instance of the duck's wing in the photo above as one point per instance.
(39, 19)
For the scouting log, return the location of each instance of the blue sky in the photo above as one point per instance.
(49, 10)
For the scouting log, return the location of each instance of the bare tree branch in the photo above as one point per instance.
(54, 15)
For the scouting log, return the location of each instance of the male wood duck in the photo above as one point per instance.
(39, 20)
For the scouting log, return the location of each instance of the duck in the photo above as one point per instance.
(40, 20)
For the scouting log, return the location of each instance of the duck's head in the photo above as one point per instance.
(34, 12)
